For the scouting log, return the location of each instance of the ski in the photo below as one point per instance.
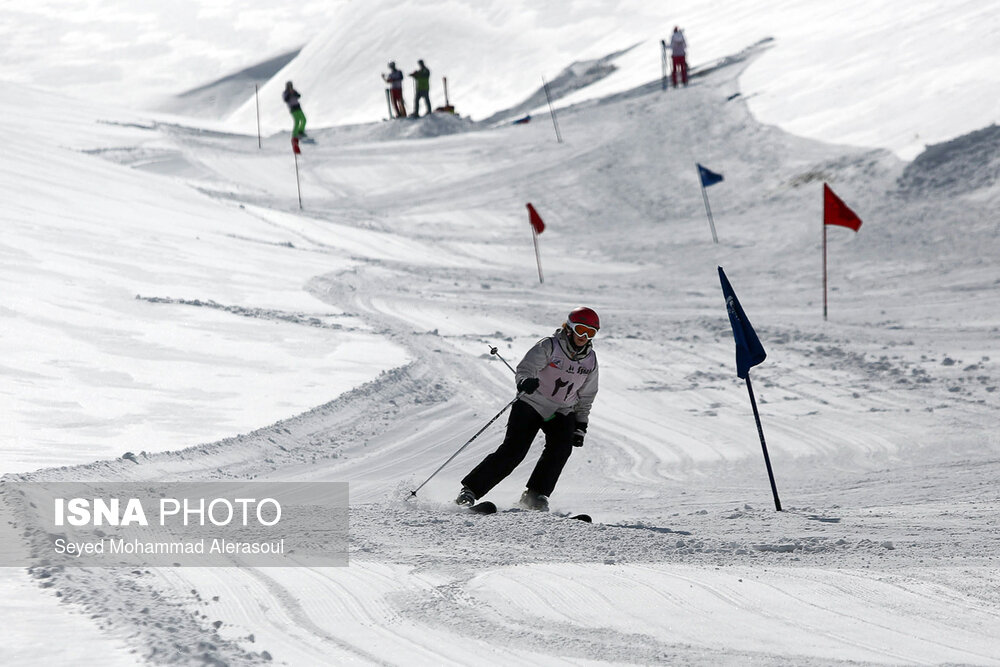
(485, 507)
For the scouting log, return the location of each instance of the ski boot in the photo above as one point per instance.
(533, 500)
(466, 498)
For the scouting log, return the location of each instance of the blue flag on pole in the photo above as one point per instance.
(749, 351)
(708, 177)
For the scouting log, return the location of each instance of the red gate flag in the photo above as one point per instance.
(836, 212)
(537, 227)
(535, 220)
(295, 146)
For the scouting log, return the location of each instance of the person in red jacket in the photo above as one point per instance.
(556, 383)
(395, 80)
(678, 52)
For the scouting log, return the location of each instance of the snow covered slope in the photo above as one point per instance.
(262, 332)
(897, 74)
(143, 314)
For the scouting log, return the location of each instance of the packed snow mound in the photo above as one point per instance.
(970, 162)
(436, 124)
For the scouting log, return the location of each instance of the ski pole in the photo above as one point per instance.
(493, 350)
(469, 442)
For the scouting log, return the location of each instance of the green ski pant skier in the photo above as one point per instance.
(300, 123)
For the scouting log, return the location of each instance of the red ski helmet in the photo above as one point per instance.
(583, 322)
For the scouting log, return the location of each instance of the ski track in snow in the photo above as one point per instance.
(687, 562)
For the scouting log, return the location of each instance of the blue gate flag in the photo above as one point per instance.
(749, 351)
(708, 177)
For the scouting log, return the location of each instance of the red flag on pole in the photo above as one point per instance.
(537, 227)
(836, 212)
(295, 146)
(535, 220)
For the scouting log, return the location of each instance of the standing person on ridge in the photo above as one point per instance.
(678, 51)
(291, 97)
(422, 76)
(556, 383)
(395, 80)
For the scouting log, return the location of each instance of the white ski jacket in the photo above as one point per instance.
(567, 379)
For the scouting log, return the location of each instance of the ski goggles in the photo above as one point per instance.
(583, 330)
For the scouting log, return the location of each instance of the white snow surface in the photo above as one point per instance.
(164, 294)
(898, 74)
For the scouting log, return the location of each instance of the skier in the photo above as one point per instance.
(557, 383)
(422, 75)
(395, 81)
(291, 97)
(678, 50)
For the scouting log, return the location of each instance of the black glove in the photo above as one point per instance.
(528, 385)
(579, 433)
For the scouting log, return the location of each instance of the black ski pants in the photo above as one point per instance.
(522, 427)
(424, 95)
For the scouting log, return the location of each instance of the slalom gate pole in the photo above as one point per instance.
(493, 351)
(298, 188)
(824, 263)
(708, 210)
(552, 112)
(413, 493)
(763, 446)
(663, 62)
(538, 256)
(256, 94)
